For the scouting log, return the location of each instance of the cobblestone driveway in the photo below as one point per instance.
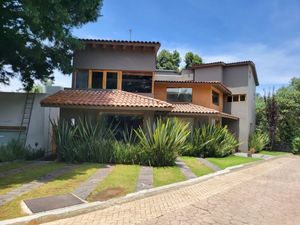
(267, 193)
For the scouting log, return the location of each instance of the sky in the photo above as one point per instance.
(266, 32)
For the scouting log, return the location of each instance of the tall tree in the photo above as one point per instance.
(167, 60)
(271, 111)
(36, 38)
(191, 59)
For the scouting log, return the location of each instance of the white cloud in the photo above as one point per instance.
(275, 65)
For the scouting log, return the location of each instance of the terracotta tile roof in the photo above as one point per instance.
(189, 108)
(119, 41)
(103, 98)
(192, 108)
(218, 84)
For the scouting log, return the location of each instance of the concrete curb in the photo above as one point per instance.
(93, 206)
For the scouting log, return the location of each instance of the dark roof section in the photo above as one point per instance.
(154, 44)
(218, 84)
(241, 63)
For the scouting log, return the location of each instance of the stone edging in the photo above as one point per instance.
(93, 206)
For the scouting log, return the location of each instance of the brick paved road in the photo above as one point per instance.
(267, 193)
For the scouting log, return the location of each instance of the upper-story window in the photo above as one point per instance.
(81, 79)
(97, 80)
(111, 80)
(179, 94)
(215, 98)
(136, 83)
(236, 98)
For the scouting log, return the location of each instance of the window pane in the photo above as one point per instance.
(111, 80)
(137, 83)
(179, 94)
(6, 136)
(229, 99)
(215, 98)
(242, 98)
(81, 79)
(235, 98)
(97, 78)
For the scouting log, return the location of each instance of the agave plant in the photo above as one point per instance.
(258, 140)
(163, 141)
(212, 140)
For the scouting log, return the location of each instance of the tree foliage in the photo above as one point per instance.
(167, 60)
(36, 38)
(191, 59)
(288, 118)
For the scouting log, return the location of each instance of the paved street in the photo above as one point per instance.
(267, 193)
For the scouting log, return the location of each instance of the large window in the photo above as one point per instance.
(81, 79)
(97, 79)
(111, 80)
(179, 94)
(124, 123)
(137, 83)
(215, 98)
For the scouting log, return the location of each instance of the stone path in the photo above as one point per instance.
(263, 193)
(209, 164)
(145, 179)
(256, 155)
(34, 184)
(185, 169)
(22, 168)
(84, 190)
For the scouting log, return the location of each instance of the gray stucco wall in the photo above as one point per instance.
(209, 74)
(128, 59)
(235, 76)
(12, 107)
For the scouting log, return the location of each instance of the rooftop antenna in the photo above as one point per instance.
(130, 31)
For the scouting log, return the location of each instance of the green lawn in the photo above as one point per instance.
(121, 181)
(8, 183)
(196, 166)
(61, 185)
(167, 175)
(231, 160)
(13, 165)
(273, 153)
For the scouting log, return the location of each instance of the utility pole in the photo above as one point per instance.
(130, 31)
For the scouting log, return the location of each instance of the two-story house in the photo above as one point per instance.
(118, 79)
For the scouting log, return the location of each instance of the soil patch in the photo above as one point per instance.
(109, 193)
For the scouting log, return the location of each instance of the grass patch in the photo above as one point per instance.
(13, 165)
(121, 181)
(167, 175)
(196, 166)
(273, 153)
(61, 185)
(8, 183)
(231, 160)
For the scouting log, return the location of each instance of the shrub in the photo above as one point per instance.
(15, 150)
(296, 145)
(90, 140)
(163, 141)
(258, 140)
(212, 141)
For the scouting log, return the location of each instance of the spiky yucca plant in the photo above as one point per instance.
(258, 141)
(212, 141)
(163, 141)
